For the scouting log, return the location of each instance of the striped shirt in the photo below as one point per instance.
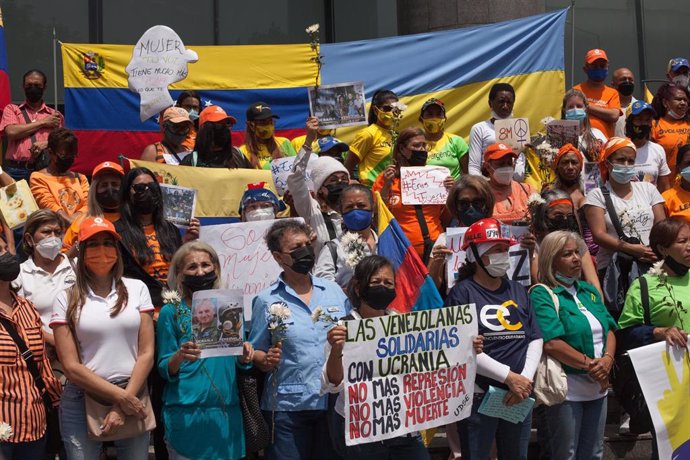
(21, 405)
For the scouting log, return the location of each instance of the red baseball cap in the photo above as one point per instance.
(497, 151)
(91, 226)
(108, 166)
(215, 113)
(595, 54)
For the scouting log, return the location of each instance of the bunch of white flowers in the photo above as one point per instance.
(6, 432)
(355, 249)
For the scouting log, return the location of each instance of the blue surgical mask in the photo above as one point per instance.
(470, 215)
(685, 173)
(357, 219)
(623, 174)
(193, 115)
(597, 74)
(566, 280)
(575, 114)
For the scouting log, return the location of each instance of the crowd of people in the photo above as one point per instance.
(96, 324)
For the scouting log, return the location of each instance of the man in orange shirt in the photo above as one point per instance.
(604, 105)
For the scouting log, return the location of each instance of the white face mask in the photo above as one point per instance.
(504, 174)
(681, 80)
(498, 264)
(49, 247)
(495, 116)
(260, 214)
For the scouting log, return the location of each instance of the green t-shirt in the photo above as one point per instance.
(447, 152)
(661, 311)
(570, 324)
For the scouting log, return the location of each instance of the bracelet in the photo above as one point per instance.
(607, 354)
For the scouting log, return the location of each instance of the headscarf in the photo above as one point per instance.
(566, 149)
(613, 145)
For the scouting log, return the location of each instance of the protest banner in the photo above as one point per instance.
(405, 373)
(561, 132)
(178, 204)
(245, 261)
(519, 257)
(513, 132)
(281, 168)
(16, 204)
(423, 184)
(664, 376)
(338, 105)
(217, 324)
(159, 59)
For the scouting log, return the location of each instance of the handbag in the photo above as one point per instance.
(550, 382)
(256, 434)
(97, 410)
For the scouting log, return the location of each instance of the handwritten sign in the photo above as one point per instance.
(217, 324)
(245, 261)
(159, 59)
(405, 373)
(281, 168)
(423, 184)
(519, 269)
(561, 132)
(513, 132)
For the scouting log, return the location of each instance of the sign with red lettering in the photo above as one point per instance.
(405, 373)
(423, 184)
(513, 131)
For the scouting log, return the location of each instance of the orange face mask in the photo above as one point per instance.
(100, 259)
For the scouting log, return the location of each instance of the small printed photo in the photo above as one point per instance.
(230, 320)
(205, 322)
(178, 204)
(338, 105)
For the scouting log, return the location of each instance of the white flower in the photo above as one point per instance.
(272, 326)
(535, 199)
(285, 312)
(546, 120)
(6, 432)
(172, 297)
(399, 106)
(316, 314)
(656, 269)
(275, 309)
(312, 29)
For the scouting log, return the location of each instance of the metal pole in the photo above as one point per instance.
(572, 43)
(329, 19)
(55, 83)
(216, 22)
(639, 25)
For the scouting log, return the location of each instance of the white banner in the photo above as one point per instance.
(423, 184)
(405, 373)
(664, 375)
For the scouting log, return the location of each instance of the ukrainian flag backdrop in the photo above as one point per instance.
(457, 66)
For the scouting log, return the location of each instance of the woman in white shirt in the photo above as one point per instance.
(103, 330)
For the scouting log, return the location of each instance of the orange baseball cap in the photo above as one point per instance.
(176, 115)
(108, 166)
(91, 226)
(593, 55)
(214, 113)
(497, 151)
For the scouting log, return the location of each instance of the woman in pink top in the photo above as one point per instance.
(511, 196)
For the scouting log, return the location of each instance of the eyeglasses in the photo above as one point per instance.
(464, 205)
(141, 188)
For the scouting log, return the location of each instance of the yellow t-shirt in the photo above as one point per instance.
(298, 142)
(373, 146)
(265, 157)
(447, 152)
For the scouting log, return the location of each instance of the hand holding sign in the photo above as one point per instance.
(159, 59)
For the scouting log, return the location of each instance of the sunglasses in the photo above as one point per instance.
(141, 188)
(464, 205)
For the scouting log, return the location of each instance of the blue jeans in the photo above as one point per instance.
(17, 173)
(477, 433)
(75, 435)
(576, 429)
(300, 435)
(34, 450)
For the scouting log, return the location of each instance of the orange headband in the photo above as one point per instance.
(613, 145)
(566, 149)
(560, 201)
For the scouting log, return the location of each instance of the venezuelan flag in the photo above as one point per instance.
(457, 66)
(5, 94)
(415, 290)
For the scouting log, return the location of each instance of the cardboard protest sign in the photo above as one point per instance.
(245, 261)
(217, 323)
(519, 257)
(281, 168)
(664, 376)
(423, 184)
(338, 105)
(561, 132)
(16, 204)
(159, 59)
(405, 373)
(178, 203)
(513, 132)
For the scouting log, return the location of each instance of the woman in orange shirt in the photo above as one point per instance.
(678, 197)
(511, 196)
(421, 223)
(672, 129)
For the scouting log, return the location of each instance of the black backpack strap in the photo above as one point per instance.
(612, 211)
(333, 248)
(428, 244)
(28, 358)
(644, 294)
(28, 122)
(329, 225)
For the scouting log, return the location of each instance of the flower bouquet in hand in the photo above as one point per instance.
(278, 315)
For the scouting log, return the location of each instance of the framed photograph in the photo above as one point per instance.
(338, 105)
(179, 204)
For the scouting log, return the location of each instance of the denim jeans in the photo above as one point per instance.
(477, 433)
(75, 435)
(300, 435)
(23, 450)
(17, 173)
(576, 429)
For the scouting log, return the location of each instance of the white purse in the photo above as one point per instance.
(550, 383)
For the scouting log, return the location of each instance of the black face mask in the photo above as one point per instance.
(199, 282)
(33, 94)
(334, 192)
(63, 164)
(677, 267)
(9, 267)
(145, 202)
(418, 157)
(638, 132)
(378, 297)
(626, 88)
(221, 135)
(109, 199)
(568, 223)
(303, 259)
